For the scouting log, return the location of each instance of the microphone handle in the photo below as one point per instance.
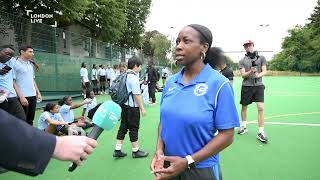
(93, 134)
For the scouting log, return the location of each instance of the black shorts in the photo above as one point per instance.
(164, 77)
(251, 94)
(102, 79)
(94, 82)
(210, 173)
(130, 121)
(86, 85)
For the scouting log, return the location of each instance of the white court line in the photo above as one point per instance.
(287, 115)
(280, 93)
(296, 95)
(291, 124)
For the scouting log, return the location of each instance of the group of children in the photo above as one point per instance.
(102, 77)
(59, 118)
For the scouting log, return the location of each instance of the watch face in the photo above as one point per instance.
(192, 165)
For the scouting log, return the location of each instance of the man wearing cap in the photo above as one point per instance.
(252, 68)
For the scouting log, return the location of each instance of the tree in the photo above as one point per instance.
(315, 17)
(301, 48)
(146, 45)
(157, 46)
(64, 11)
(106, 20)
(161, 46)
(136, 13)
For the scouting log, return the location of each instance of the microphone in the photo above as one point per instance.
(105, 118)
(254, 66)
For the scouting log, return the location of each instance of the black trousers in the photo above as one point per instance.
(152, 91)
(95, 86)
(13, 107)
(130, 121)
(30, 110)
(209, 173)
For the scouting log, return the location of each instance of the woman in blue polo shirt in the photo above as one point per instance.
(204, 116)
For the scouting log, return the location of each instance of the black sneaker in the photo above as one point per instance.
(139, 154)
(242, 130)
(262, 137)
(119, 154)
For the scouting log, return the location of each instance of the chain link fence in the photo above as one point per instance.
(60, 51)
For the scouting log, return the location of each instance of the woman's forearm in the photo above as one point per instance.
(217, 144)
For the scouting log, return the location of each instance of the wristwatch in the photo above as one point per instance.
(191, 163)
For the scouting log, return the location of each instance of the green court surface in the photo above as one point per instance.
(292, 114)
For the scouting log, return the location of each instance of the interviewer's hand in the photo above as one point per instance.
(72, 148)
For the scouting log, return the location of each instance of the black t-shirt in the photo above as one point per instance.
(228, 73)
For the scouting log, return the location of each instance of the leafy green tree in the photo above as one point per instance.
(161, 46)
(106, 20)
(136, 13)
(64, 11)
(146, 45)
(301, 48)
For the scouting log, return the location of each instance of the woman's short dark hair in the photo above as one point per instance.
(88, 93)
(93, 65)
(63, 100)
(83, 64)
(134, 61)
(216, 57)
(6, 46)
(49, 106)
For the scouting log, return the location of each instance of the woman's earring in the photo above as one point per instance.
(203, 56)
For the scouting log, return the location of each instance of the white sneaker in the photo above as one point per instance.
(262, 137)
(242, 130)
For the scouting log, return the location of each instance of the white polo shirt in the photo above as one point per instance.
(91, 105)
(94, 74)
(24, 76)
(109, 73)
(84, 74)
(102, 72)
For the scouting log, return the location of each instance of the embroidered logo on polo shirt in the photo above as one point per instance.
(200, 89)
(171, 88)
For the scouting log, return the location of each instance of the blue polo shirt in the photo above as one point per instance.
(24, 76)
(6, 80)
(43, 119)
(191, 115)
(67, 113)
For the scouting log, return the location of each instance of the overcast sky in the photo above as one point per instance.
(233, 21)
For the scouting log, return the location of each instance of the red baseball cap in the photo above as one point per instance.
(248, 42)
